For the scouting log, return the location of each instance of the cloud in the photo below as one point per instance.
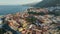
(16, 2)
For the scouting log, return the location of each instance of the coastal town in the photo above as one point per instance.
(31, 21)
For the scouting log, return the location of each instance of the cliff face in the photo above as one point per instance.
(47, 3)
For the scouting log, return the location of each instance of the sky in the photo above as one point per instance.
(17, 2)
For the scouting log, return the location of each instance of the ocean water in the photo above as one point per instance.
(8, 9)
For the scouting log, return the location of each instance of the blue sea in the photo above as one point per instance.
(8, 9)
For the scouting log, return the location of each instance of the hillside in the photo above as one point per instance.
(47, 3)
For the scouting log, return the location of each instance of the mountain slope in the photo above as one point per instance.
(47, 3)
